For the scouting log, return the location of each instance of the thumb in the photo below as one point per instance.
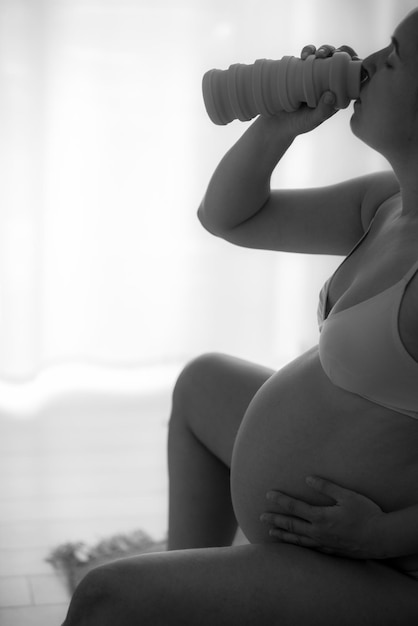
(326, 106)
(328, 98)
(310, 118)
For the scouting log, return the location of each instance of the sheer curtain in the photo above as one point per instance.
(106, 150)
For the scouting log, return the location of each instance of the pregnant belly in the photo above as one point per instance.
(300, 424)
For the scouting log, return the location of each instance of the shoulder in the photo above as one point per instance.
(381, 186)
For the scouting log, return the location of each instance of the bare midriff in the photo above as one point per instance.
(301, 424)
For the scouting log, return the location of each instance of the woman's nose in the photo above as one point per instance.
(371, 63)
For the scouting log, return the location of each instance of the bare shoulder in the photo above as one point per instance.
(381, 186)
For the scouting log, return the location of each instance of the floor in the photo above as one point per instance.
(81, 468)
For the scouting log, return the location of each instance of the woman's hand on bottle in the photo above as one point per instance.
(326, 50)
(305, 118)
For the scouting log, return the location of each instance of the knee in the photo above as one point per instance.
(126, 592)
(195, 382)
(93, 601)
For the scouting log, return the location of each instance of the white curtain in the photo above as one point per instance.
(105, 153)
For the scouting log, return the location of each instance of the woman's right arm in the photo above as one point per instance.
(239, 205)
(241, 182)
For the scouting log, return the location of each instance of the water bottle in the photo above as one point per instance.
(267, 87)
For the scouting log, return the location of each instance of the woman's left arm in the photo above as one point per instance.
(353, 527)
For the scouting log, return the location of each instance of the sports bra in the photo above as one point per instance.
(361, 351)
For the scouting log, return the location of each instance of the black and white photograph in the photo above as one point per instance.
(209, 312)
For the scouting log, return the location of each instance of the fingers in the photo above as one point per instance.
(353, 54)
(286, 524)
(326, 108)
(302, 541)
(289, 529)
(307, 51)
(326, 50)
(294, 531)
(287, 506)
(336, 492)
(296, 540)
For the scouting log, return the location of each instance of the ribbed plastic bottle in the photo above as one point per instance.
(267, 87)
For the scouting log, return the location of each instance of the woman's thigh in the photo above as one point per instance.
(212, 394)
(253, 585)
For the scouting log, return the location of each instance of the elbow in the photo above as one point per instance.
(200, 216)
(205, 222)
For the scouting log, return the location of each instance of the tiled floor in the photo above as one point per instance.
(82, 468)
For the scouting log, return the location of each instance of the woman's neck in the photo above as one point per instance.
(407, 175)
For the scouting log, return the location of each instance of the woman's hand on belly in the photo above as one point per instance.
(350, 528)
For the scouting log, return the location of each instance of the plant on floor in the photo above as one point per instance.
(75, 559)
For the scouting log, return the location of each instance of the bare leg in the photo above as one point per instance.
(251, 585)
(209, 401)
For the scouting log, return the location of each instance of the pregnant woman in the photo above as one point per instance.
(318, 462)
